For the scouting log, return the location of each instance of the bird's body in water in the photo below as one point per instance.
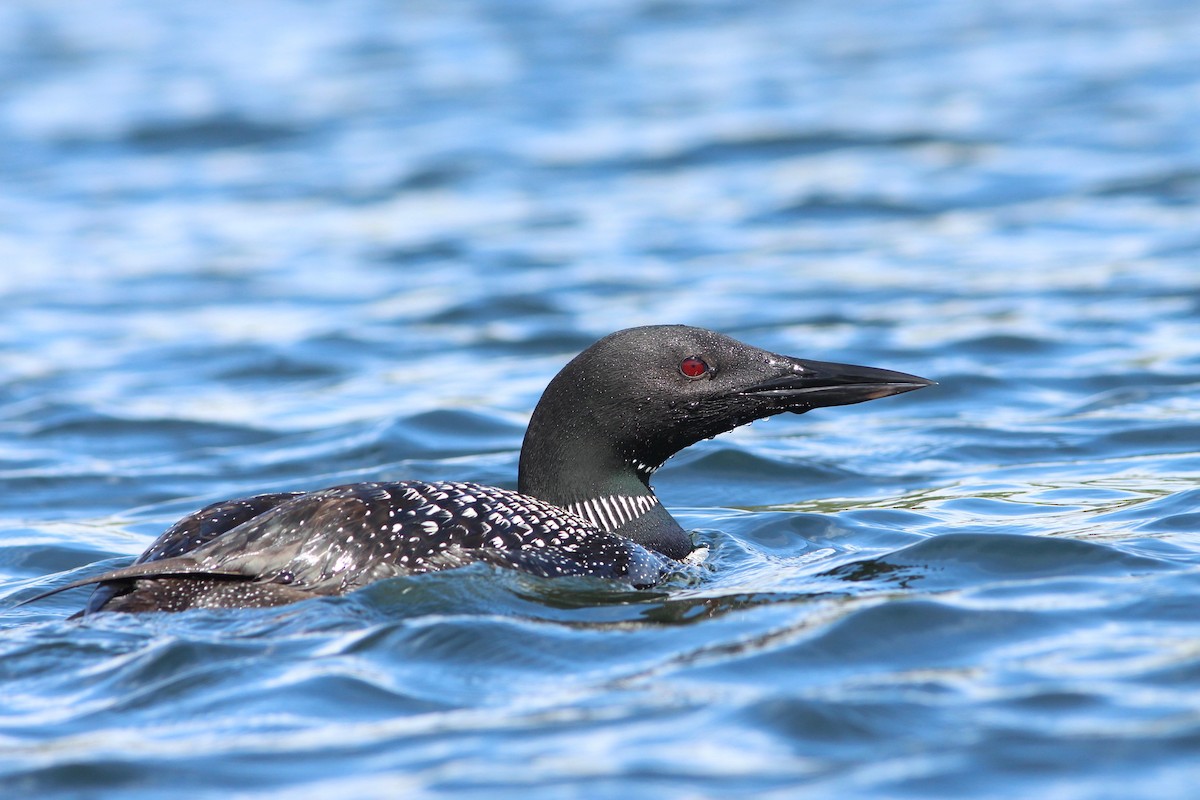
(584, 505)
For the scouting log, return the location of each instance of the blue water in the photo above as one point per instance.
(282, 245)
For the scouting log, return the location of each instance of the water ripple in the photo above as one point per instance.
(293, 247)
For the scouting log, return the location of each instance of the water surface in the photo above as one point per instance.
(286, 245)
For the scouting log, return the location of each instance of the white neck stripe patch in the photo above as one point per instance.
(610, 513)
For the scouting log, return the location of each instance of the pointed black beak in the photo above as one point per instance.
(805, 385)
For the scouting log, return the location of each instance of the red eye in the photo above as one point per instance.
(693, 367)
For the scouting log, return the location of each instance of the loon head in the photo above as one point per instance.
(632, 400)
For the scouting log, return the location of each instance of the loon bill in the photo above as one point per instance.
(584, 505)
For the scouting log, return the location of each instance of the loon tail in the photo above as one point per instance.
(179, 567)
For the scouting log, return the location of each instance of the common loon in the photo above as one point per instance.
(583, 504)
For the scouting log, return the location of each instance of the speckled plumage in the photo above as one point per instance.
(336, 540)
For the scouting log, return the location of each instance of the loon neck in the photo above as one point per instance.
(614, 511)
(639, 517)
(585, 475)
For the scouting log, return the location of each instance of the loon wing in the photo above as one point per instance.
(201, 527)
(162, 558)
(195, 530)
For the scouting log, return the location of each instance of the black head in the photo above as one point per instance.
(629, 402)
